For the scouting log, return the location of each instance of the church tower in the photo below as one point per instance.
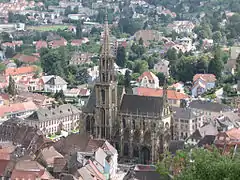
(106, 90)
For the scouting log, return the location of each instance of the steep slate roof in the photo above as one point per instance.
(195, 135)
(175, 145)
(44, 114)
(56, 80)
(208, 106)
(183, 113)
(207, 140)
(141, 104)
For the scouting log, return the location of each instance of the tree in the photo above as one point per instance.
(140, 42)
(12, 87)
(127, 79)
(121, 57)
(140, 66)
(2, 67)
(227, 89)
(55, 61)
(82, 76)
(5, 37)
(172, 55)
(138, 49)
(60, 97)
(216, 66)
(200, 164)
(9, 53)
(130, 26)
(79, 30)
(10, 17)
(161, 78)
(75, 10)
(68, 10)
(217, 36)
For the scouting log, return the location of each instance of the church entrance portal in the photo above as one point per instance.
(145, 155)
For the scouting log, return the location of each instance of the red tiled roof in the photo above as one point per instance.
(26, 58)
(147, 74)
(76, 42)
(233, 133)
(17, 107)
(58, 43)
(206, 77)
(20, 70)
(41, 44)
(12, 44)
(4, 96)
(94, 144)
(83, 92)
(3, 165)
(172, 94)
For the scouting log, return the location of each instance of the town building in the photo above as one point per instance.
(186, 121)
(79, 58)
(199, 134)
(231, 64)
(148, 79)
(226, 141)
(18, 110)
(18, 73)
(202, 83)
(138, 126)
(179, 87)
(57, 43)
(54, 119)
(29, 168)
(29, 83)
(39, 99)
(181, 26)
(174, 98)
(147, 36)
(210, 110)
(162, 67)
(54, 84)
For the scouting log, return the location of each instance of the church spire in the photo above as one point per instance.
(106, 46)
(165, 87)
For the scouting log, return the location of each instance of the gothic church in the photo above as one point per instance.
(140, 127)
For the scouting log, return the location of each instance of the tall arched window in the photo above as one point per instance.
(103, 96)
(124, 122)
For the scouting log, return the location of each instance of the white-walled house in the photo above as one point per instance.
(54, 84)
(148, 79)
(202, 83)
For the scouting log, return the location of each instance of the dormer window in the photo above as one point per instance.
(45, 115)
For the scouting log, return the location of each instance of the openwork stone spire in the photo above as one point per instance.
(165, 87)
(106, 46)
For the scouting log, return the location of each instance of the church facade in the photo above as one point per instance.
(140, 127)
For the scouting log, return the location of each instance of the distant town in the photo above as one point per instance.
(119, 90)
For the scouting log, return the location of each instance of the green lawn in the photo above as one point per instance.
(47, 27)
